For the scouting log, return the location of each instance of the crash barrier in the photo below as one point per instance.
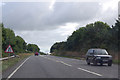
(5, 58)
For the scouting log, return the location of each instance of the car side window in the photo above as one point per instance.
(89, 51)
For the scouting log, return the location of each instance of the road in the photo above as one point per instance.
(46, 66)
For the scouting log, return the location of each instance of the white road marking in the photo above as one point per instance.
(90, 72)
(58, 61)
(16, 70)
(65, 63)
(48, 58)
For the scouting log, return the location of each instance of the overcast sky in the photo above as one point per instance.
(44, 23)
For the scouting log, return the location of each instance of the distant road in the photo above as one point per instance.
(46, 66)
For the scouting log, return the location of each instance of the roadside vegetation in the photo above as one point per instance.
(0, 42)
(94, 35)
(6, 64)
(42, 53)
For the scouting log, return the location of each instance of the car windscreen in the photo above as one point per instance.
(100, 52)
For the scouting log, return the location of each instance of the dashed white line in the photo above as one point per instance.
(65, 63)
(58, 61)
(16, 70)
(90, 72)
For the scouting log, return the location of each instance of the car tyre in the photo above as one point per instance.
(109, 64)
(88, 63)
(94, 63)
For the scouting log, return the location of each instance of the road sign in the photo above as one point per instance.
(9, 49)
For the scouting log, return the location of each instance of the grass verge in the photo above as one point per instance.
(12, 61)
(116, 61)
(69, 57)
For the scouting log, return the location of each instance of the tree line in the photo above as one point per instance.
(94, 35)
(18, 43)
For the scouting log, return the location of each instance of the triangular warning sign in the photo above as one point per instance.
(9, 49)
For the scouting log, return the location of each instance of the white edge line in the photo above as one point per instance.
(16, 69)
(90, 72)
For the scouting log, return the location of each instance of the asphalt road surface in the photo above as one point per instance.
(46, 66)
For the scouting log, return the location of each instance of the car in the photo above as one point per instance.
(100, 56)
(36, 53)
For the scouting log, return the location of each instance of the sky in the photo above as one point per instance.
(44, 23)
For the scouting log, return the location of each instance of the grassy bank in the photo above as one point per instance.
(73, 57)
(116, 62)
(12, 61)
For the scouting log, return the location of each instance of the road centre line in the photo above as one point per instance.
(16, 69)
(48, 58)
(65, 63)
(58, 61)
(90, 72)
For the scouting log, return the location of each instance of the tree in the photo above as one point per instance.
(21, 44)
(32, 48)
(116, 35)
(8, 37)
(0, 40)
(58, 47)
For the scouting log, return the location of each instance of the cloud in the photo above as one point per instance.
(67, 29)
(109, 12)
(52, 5)
(119, 9)
(39, 16)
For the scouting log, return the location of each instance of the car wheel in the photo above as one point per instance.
(88, 62)
(94, 63)
(109, 64)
